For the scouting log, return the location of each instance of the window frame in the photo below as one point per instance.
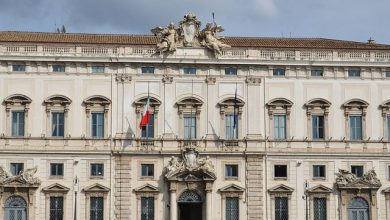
(237, 210)
(356, 166)
(15, 163)
(56, 209)
(19, 67)
(147, 69)
(98, 68)
(152, 210)
(190, 70)
(149, 127)
(229, 127)
(91, 171)
(314, 205)
(192, 128)
(58, 68)
(286, 199)
(355, 107)
(279, 72)
(356, 131)
(91, 208)
(313, 172)
(57, 104)
(58, 126)
(315, 71)
(97, 133)
(276, 126)
(232, 165)
(354, 73)
(316, 129)
(229, 70)
(279, 106)
(280, 177)
(147, 165)
(18, 124)
(55, 175)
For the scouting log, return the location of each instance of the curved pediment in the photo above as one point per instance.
(385, 104)
(17, 98)
(97, 99)
(153, 101)
(231, 101)
(282, 102)
(318, 102)
(190, 101)
(58, 99)
(357, 103)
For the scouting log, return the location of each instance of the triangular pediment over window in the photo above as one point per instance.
(319, 189)
(386, 191)
(147, 189)
(281, 189)
(96, 188)
(55, 188)
(232, 188)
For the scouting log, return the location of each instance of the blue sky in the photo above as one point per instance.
(356, 20)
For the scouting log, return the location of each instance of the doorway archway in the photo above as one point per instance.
(190, 206)
(15, 208)
(358, 209)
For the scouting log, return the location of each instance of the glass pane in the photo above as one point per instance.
(280, 126)
(318, 126)
(189, 126)
(189, 70)
(231, 129)
(147, 208)
(98, 124)
(388, 127)
(17, 123)
(355, 127)
(147, 69)
(231, 71)
(58, 124)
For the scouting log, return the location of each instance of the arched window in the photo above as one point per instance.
(149, 130)
(385, 107)
(97, 111)
(16, 107)
(57, 108)
(279, 110)
(355, 119)
(317, 111)
(230, 110)
(15, 207)
(189, 110)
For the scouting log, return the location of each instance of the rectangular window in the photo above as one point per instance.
(387, 74)
(18, 124)
(97, 169)
(16, 168)
(189, 70)
(147, 69)
(279, 72)
(281, 208)
(96, 208)
(231, 71)
(18, 68)
(189, 126)
(231, 127)
(231, 170)
(319, 171)
(97, 68)
(58, 68)
(357, 170)
(56, 208)
(388, 172)
(280, 126)
(317, 72)
(56, 169)
(388, 127)
(318, 126)
(355, 124)
(319, 207)
(97, 124)
(280, 171)
(232, 208)
(57, 124)
(147, 208)
(354, 73)
(147, 131)
(147, 170)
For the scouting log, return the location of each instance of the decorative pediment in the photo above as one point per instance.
(17, 99)
(232, 188)
(319, 189)
(230, 101)
(346, 179)
(355, 103)
(280, 102)
(281, 189)
(24, 179)
(58, 99)
(154, 104)
(96, 188)
(318, 102)
(190, 101)
(97, 100)
(147, 188)
(58, 188)
(386, 191)
(385, 107)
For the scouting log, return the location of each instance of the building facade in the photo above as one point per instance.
(239, 128)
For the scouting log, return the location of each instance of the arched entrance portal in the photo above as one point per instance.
(15, 208)
(190, 206)
(358, 209)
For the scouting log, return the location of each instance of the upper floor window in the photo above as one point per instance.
(232, 208)
(231, 170)
(147, 131)
(385, 107)
(317, 111)
(317, 72)
(354, 73)
(97, 109)
(387, 74)
(98, 68)
(17, 123)
(147, 69)
(318, 126)
(355, 125)
(96, 211)
(230, 110)
(319, 171)
(189, 70)
(56, 169)
(279, 126)
(16, 168)
(56, 208)
(231, 126)
(57, 124)
(280, 171)
(355, 114)
(57, 108)
(189, 113)
(16, 107)
(189, 126)
(231, 71)
(388, 127)
(18, 67)
(97, 169)
(279, 72)
(279, 117)
(147, 170)
(357, 170)
(97, 124)
(58, 67)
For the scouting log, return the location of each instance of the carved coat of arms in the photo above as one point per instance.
(189, 28)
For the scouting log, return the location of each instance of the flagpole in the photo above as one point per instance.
(147, 125)
(192, 103)
(235, 118)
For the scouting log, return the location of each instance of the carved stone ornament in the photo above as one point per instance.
(190, 164)
(347, 179)
(25, 177)
(188, 34)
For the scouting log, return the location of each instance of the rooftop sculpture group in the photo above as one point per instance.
(188, 34)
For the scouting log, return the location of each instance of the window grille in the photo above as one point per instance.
(97, 208)
(232, 209)
(319, 209)
(147, 208)
(281, 208)
(56, 208)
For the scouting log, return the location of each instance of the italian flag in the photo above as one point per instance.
(145, 115)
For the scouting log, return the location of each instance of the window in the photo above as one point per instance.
(231, 126)
(97, 169)
(281, 208)
(58, 68)
(17, 123)
(279, 72)
(97, 68)
(189, 126)
(16, 168)
(232, 208)
(189, 70)
(147, 69)
(147, 208)
(387, 74)
(147, 170)
(280, 126)
(56, 169)
(318, 126)
(319, 171)
(317, 72)
(97, 124)
(319, 206)
(357, 170)
(280, 171)
(354, 73)
(56, 208)
(388, 127)
(18, 67)
(355, 125)
(57, 124)
(96, 208)
(147, 131)
(231, 170)
(388, 172)
(231, 71)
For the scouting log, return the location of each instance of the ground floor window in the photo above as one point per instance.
(281, 208)
(147, 208)
(319, 208)
(232, 210)
(96, 208)
(56, 208)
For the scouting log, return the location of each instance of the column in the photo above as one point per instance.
(173, 211)
(208, 205)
